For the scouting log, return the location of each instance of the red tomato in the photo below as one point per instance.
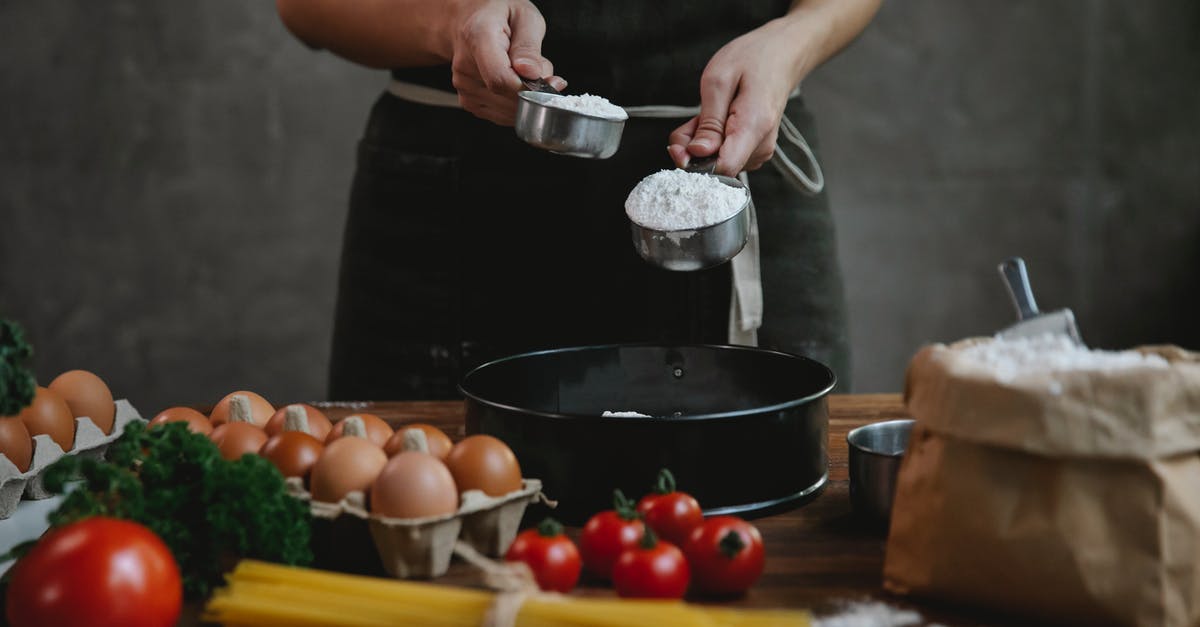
(726, 554)
(609, 533)
(550, 554)
(672, 515)
(652, 570)
(98, 572)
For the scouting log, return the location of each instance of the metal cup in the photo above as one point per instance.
(875, 454)
(696, 249)
(564, 131)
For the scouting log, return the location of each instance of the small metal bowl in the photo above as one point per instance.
(696, 249)
(564, 131)
(875, 454)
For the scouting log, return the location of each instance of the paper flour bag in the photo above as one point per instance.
(1050, 481)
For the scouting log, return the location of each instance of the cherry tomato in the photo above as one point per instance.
(672, 515)
(550, 554)
(99, 572)
(607, 534)
(651, 570)
(726, 554)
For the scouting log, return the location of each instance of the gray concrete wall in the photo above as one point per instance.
(173, 180)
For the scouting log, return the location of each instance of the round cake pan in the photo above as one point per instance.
(744, 430)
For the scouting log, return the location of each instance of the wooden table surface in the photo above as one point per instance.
(818, 556)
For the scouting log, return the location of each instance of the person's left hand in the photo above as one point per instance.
(743, 92)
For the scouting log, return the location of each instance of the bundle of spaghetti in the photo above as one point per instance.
(268, 595)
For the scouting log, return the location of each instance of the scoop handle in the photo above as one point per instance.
(1012, 270)
(703, 165)
(539, 84)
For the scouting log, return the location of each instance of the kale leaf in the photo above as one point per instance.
(16, 381)
(209, 511)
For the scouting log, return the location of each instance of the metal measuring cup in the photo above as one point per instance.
(564, 131)
(696, 249)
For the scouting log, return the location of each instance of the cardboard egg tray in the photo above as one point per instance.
(90, 441)
(415, 547)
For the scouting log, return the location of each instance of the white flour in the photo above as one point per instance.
(676, 200)
(870, 614)
(625, 414)
(591, 105)
(1050, 353)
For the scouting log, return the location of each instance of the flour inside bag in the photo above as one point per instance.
(1049, 480)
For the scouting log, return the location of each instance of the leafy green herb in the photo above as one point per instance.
(209, 511)
(16, 381)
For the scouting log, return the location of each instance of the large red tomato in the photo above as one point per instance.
(652, 570)
(670, 513)
(97, 572)
(550, 554)
(607, 534)
(726, 555)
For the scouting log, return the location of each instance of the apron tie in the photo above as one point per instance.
(746, 297)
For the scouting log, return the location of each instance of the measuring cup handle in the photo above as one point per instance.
(703, 165)
(539, 84)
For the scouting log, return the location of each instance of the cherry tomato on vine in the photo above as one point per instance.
(550, 554)
(726, 555)
(607, 534)
(99, 571)
(651, 570)
(671, 514)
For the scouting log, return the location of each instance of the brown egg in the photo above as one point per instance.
(195, 420)
(482, 462)
(235, 439)
(15, 442)
(318, 425)
(50, 415)
(414, 485)
(86, 395)
(260, 409)
(378, 431)
(292, 452)
(345, 465)
(439, 442)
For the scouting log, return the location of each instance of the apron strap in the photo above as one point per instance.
(746, 298)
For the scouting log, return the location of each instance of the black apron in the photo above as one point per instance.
(463, 244)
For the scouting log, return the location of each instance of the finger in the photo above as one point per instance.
(764, 153)
(717, 89)
(489, 50)
(678, 141)
(525, 45)
(748, 127)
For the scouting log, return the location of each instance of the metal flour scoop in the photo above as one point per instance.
(1031, 321)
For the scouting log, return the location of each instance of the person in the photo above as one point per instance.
(463, 244)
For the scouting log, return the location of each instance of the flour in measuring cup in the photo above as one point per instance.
(591, 105)
(677, 200)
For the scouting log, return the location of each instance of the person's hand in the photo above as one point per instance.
(496, 42)
(743, 92)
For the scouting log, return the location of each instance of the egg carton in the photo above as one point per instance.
(410, 548)
(90, 442)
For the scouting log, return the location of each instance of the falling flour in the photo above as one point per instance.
(1050, 353)
(676, 200)
(588, 104)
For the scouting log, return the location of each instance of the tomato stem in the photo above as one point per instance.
(550, 528)
(666, 482)
(624, 507)
(649, 540)
(731, 544)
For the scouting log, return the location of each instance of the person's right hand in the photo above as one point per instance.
(496, 43)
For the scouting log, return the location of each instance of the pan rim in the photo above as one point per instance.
(715, 416)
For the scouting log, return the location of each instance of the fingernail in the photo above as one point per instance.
(702, 144)
(558, 84)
